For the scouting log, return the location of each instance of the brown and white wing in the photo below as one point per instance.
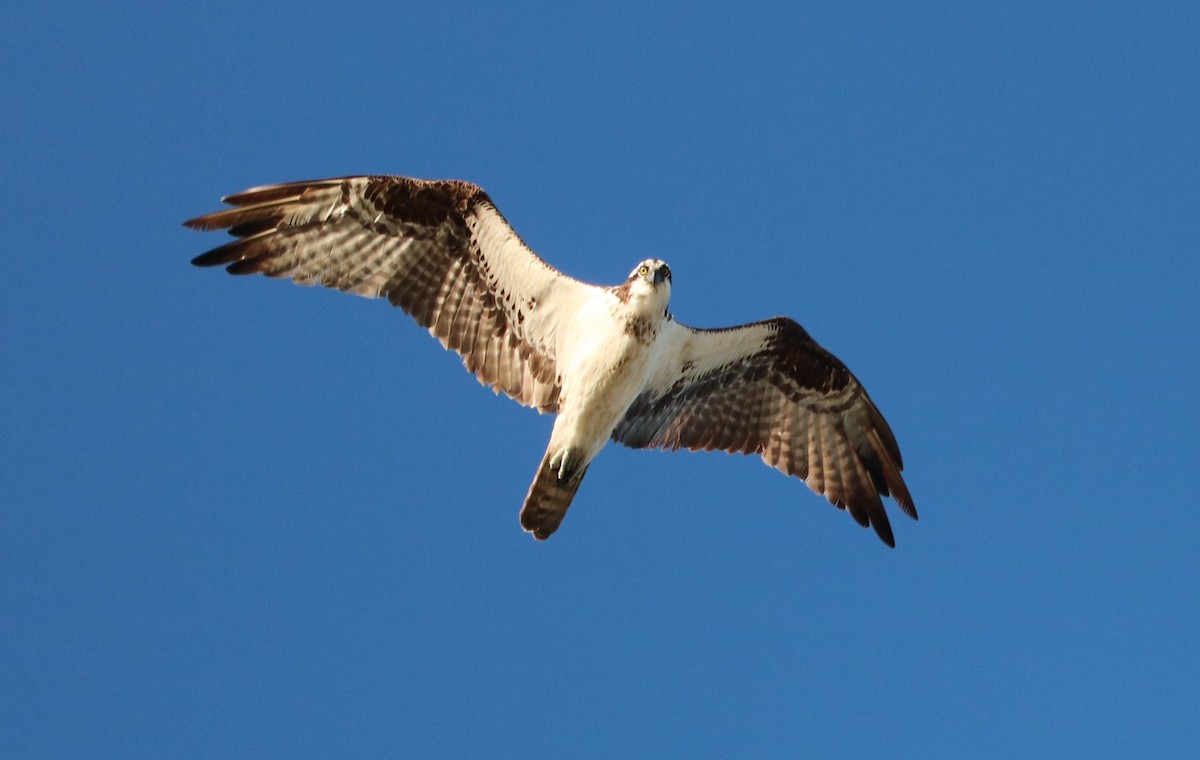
(767, 388)
(437, 249)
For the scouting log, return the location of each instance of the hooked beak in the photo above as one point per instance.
(660, 274)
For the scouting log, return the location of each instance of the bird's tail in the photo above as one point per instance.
(548, 499)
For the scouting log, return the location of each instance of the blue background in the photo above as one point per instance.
(243, 519)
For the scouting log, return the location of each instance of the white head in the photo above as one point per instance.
(650, 280)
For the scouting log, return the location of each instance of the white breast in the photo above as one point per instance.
(605, 366)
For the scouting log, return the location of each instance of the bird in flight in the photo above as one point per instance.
(610, 362)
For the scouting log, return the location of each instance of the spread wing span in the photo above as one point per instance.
(442, 252)
(768, 388)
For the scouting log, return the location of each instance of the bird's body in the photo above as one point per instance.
(611, 362)
(606, 356)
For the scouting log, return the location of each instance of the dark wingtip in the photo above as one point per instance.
(233, 264)
(202, 223)
(205, 260)
(883, 528)
(899, 492)
(884, 531)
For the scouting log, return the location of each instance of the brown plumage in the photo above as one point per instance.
(548, 499)
(767, 388)
(610, 362)
(409, 241)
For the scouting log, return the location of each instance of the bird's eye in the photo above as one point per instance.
(643, 270)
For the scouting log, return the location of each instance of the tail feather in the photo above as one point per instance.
(548, 499)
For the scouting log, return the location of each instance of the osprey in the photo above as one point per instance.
(611, 362)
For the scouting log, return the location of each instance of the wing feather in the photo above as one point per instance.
(437, 249)
(767, 388)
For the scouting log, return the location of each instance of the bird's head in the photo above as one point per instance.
(650, 283)
(650, 274)
(648, 288)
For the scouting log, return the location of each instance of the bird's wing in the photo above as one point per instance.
(767, 388)
(437, 249)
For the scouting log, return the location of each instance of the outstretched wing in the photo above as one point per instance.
(437, 249)
(767, 388)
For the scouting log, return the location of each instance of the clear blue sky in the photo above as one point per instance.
(245, 519)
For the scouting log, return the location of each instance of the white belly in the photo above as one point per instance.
(606, 370)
